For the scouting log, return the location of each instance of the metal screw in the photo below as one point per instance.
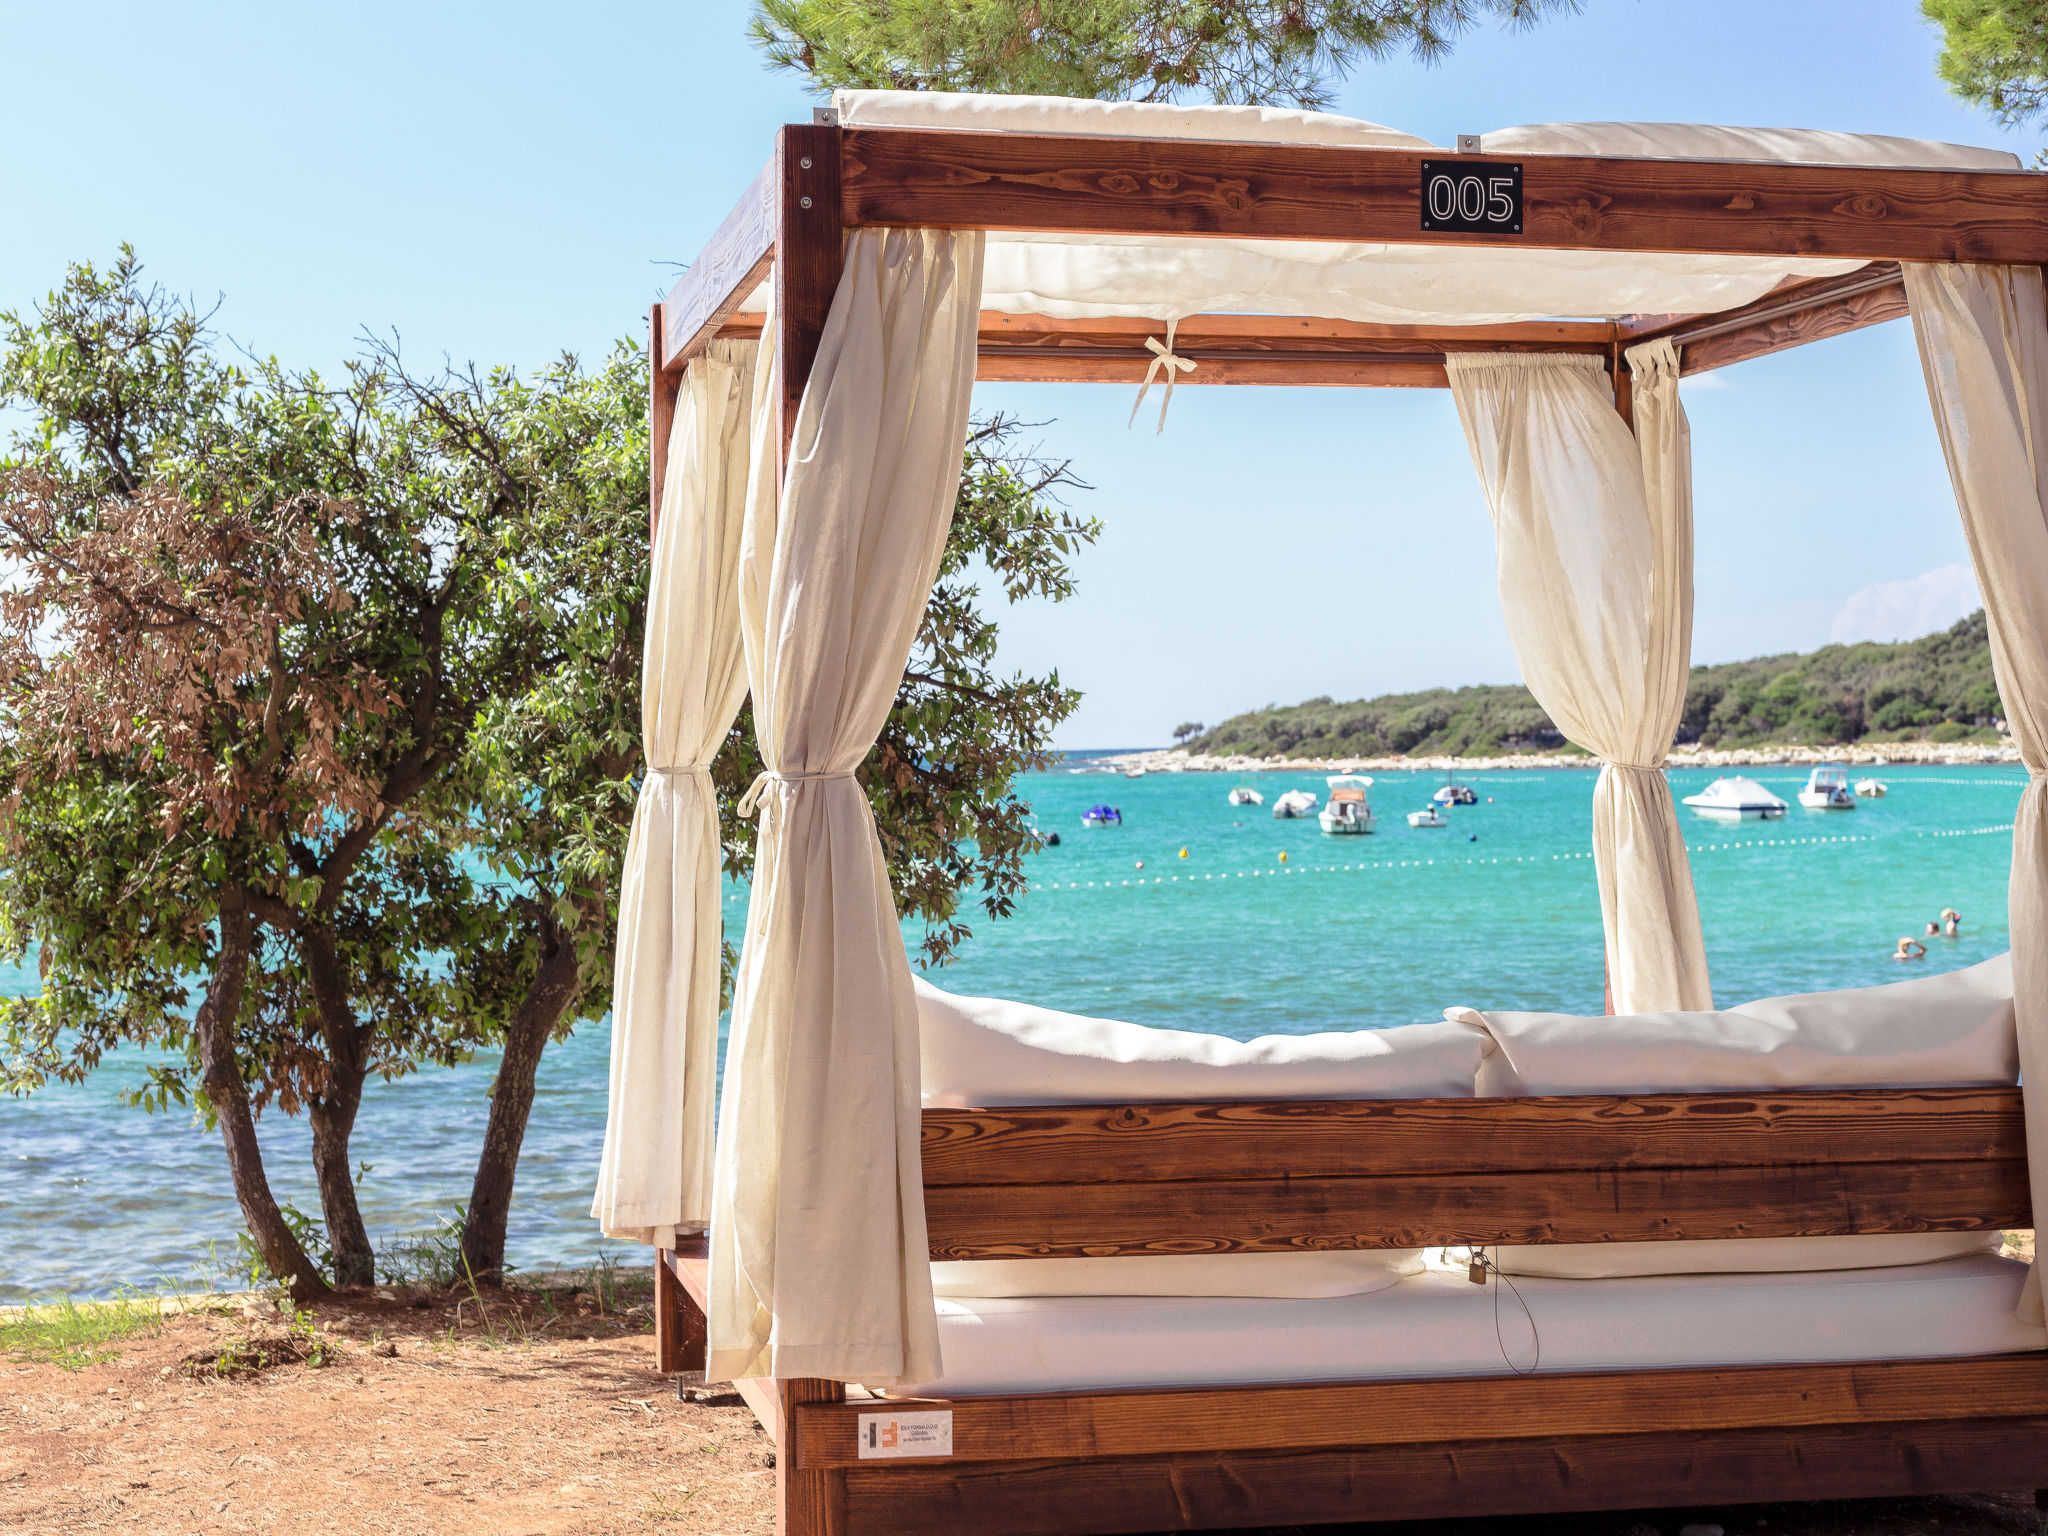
(803, 202)
(805, 162)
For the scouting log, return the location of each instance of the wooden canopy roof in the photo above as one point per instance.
(824, 179)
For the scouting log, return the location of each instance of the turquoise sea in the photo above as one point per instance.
(1496, 910)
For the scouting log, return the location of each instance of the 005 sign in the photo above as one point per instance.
(1474, 197)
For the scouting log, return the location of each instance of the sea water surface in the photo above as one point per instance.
(1498, 910)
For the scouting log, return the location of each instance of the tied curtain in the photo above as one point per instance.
(819, 1265)
(1593, 531)
(1983, 338)
(654, 1179)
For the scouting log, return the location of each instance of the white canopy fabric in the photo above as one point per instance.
(1983, 336)
(818, 1259)
(1079, 277)
(1596, 584)
(654, 1179)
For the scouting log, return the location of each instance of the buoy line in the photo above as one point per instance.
(1192, 878)
(1526, 858)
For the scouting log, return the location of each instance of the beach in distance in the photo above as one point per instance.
(1875, 755)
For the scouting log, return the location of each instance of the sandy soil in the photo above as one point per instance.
(546, 1419)
(567, 1432)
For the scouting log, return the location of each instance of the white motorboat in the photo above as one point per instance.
(1428, 816)
(1348, 812)
(1827, 789)
(1871, 789)
(1735, 798)
(1134, 773)
(1294, 804)
(1454, 793)
(1244, 794)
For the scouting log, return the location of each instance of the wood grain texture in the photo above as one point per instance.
(1791, 315)
(668, 1323)
(1296, 192)
(1836, 317)
(809, 254)
(1463, 1478)
(662, 389)
(1084, 1143)
(1286, 1214)
(680, 1327)
(1019, 366)
(807, 1502)
(1051, 1426)
(730, 267)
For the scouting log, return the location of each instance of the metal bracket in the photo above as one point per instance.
(824, 117)
(1468, 144)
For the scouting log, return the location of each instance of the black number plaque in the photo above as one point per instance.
(1472, 197)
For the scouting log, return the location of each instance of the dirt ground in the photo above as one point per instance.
(542, 1416)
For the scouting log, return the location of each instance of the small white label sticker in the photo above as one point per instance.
(925, 1433)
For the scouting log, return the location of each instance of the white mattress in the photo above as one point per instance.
(1439, 1324)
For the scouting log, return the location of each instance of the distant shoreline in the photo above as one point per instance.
(1890, 753)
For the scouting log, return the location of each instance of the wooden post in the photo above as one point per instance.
(806, 1503)
(1624, 386)
(809, 253)
(680, 1332)
(662, 388)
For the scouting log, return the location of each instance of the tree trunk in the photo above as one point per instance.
(554, 988)
(221, 1076)
(332, 1113)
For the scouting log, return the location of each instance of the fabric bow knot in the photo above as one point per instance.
(750, 802)
(1163, 358)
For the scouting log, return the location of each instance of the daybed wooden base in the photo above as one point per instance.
(1069, 1463)
(1152, 1178)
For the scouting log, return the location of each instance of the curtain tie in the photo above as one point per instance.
(1163, 359)
(750, 802)
(700, 770)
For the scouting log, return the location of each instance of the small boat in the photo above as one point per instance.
(1244, 794)
(1454, 793)
(1134, 773)
(1347, 813)
(1292, 805)
(1871, 789)
(1102, 816)
(1735, 798)
(1827, 789)
(1428, 816)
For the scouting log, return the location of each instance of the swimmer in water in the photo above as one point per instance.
(1909, 948)
(1933, 929)
(1952, 922)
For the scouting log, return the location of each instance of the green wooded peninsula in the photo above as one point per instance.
(1938, 688)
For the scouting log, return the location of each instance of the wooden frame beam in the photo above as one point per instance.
(1082, 1181)
(1180, 1421)
(1790, 317)
(1125, 186)
(729, 268)
(1465, 1478)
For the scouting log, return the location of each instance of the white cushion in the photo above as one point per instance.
(1435, 1324)
(984, 1052)
(1336, 1272)
(1705, 141)
(1952, 1030)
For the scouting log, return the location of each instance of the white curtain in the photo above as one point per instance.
(819, 1262)
(1983, 338)
(654, 1179)
(1593, 532)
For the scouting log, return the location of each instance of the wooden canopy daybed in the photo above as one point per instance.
(1156, 1178)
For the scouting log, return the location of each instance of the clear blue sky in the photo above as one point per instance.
(504, 182)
